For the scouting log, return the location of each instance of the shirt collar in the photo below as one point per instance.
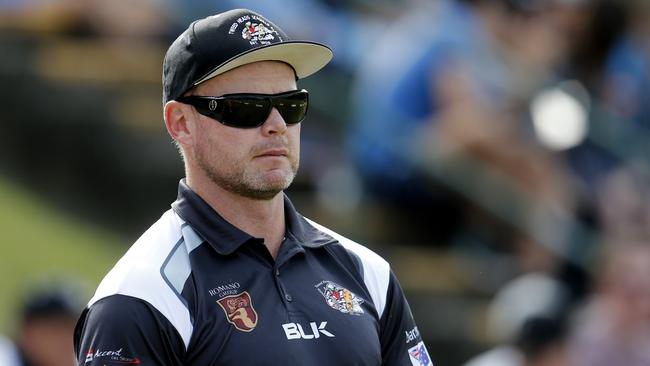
(225, 238)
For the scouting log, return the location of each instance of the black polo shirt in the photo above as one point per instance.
(195, 290)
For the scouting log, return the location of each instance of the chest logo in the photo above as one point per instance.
(295, 331)
(239, 311)
(340, 298)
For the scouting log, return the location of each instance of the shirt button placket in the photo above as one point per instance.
(287, 297)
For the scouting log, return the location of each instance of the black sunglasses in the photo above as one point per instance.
(250, 110)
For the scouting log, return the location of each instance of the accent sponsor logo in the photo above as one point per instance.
(419, 355)
(114, 356)
(314, 331)
(412, 335)
(239, 311)
(223, 290)
(340, 298)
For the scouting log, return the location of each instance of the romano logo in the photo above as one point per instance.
(223, 290)
(239, 311)
(111, 356)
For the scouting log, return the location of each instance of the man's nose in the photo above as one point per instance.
(274, 123)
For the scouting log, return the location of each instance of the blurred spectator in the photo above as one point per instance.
(541, 342)
(44, 332)
(614, 326)
(607, 40)
(438, 104)
(623, 198)
(608, 53)
(525, 320)
(626, 83)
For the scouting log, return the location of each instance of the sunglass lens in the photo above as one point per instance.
(245, 112)
(293, 108)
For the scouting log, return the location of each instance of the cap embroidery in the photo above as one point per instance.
(256, 30)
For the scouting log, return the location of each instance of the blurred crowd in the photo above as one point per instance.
(511, 131)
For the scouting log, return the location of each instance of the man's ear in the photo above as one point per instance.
(176, 121)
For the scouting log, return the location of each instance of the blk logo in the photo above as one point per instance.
(295, 331)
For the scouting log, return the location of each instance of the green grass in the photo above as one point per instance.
(40, 244)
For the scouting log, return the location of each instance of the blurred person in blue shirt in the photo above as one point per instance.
(452, 72)
(609, 55)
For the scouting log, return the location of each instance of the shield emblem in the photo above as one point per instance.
(340, 298)
(239, 311)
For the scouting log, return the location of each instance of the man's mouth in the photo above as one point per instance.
(273, 152)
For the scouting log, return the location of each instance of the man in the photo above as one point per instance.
(232, 274)
(42, 338)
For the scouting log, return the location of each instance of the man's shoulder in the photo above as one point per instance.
(374, 269)
(139, 268)
(154, 270)
(366, 255)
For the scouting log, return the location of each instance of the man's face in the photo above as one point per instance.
(48, 341)
(258, 162)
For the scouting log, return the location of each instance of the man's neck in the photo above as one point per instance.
(258, 218)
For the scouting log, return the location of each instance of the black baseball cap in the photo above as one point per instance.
(222, 42)
(51, 303)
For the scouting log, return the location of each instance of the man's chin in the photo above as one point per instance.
(262, 195)
(268, 188)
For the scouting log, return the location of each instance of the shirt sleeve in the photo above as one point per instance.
(401, 343)
(127, 331)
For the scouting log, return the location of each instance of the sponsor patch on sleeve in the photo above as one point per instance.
(110, 356)
(419, 355)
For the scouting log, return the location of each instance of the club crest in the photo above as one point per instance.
(239, 311)
(340, 298)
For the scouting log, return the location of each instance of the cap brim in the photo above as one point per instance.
(305, 57)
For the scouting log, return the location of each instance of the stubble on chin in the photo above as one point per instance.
(247, 184)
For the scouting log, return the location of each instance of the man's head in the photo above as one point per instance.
(222, 42)
(47, 319)
(246, 143)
